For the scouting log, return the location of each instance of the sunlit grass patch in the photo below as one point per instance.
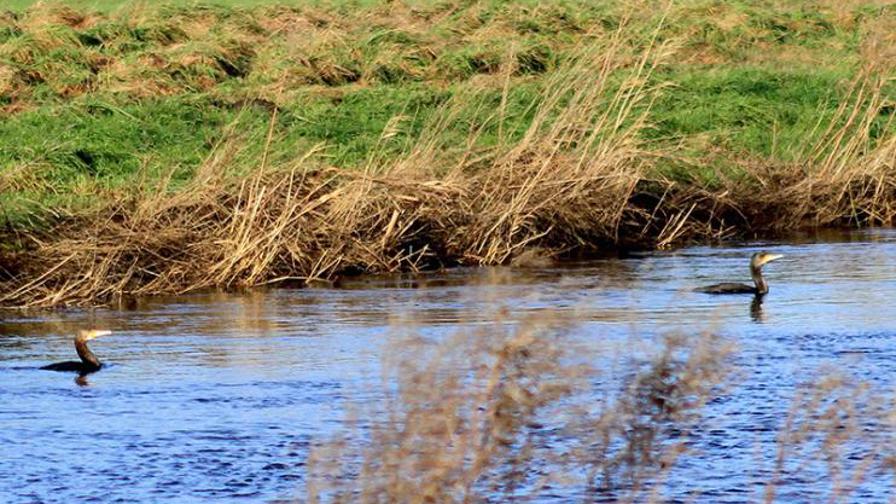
(765, 112)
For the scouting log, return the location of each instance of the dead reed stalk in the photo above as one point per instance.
(530, 412)
(839, 426)
(499, 412)
(504, 412)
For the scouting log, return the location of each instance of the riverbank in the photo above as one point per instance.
(163, 150)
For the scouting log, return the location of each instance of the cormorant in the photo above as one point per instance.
(758, 260)
(89, 363)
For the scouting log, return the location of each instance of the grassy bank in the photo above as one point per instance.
(158, 149)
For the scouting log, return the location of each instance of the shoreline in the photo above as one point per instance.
(299, 228)
(177, 148)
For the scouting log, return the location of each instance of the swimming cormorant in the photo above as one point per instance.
(758, 260)
(89, 363)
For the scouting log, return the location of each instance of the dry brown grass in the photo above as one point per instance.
(847, 178)
(511, 413)
(143, 50)
(578, 179)
(532, 411)
(303, 225)
(565, 183)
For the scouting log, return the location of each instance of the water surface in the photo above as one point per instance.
(220, 396)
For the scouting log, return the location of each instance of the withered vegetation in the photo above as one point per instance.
(582, 172)
(532, 412)
(500, 412)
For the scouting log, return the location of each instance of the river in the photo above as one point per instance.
(220, 396)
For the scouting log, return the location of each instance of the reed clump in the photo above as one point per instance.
(532, 410)
(506, 412)
(838, 425)
(848, 177)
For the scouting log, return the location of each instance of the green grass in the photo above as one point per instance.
(105, 104)
(110, 5)
(764, 112)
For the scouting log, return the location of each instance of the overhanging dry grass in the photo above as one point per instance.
(580, 178)
(848, 177)
(533, 411)
(305, 224)
(566, 182)
(510, 413)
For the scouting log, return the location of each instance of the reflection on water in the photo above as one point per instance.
(219, 395)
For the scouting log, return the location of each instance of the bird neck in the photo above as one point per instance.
(85, 354)
(756, 273)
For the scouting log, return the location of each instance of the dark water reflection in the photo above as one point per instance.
(220, 396)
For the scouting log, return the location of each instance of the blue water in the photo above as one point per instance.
(216, 396)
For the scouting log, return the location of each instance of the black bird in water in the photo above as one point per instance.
(89, 363)
(760, 288)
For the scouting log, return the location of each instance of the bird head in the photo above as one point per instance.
(87, 335)
(760, 259)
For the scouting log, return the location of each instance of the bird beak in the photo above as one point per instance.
(89, 335)
(771, 257)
